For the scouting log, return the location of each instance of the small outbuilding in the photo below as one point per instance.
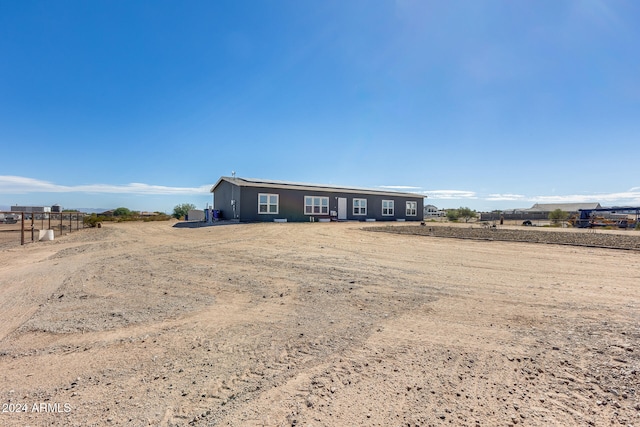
(195, 215)
(251, 200)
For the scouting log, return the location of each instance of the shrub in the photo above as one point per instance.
(94, 219)
(558, 216)
(466, 213)
(180, 211)
(453, 215)
(91, 220)
(122, 212)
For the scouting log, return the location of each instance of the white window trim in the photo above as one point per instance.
(312, 205)
(360, 208)
(412, 209)
(268, 212)
(391, 208)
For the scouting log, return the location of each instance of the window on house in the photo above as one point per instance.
(316, 205)
(412, 208)
(359, 206)
(267, 203)
(387, 208)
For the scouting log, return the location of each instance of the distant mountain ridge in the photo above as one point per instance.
(91, 210)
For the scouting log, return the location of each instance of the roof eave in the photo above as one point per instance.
(246, 182)
(222, 178)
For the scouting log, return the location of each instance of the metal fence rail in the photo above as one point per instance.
(24, 227)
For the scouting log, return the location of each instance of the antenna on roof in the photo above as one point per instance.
(233, 174)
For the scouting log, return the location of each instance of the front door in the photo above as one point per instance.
(342, 208)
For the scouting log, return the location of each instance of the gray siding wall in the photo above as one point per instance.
(222, 197)
(291, 204)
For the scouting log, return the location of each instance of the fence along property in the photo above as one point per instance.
(29, 227)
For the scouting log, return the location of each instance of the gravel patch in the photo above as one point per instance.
(588, 238)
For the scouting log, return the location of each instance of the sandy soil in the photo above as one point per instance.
(315, 325)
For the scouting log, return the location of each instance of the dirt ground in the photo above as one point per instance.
(321, 324)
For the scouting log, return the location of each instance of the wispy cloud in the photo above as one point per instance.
(22, 185)
(631, 197)
(400, 187)
(505, 197)
(451, 194)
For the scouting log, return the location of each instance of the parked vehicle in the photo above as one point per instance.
(9, 218)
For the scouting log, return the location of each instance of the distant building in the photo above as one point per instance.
(31, 209)
(566, 207)
(431, 211)
(538, 211)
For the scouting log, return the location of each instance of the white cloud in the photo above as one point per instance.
(505, 197)
(21, 185)
(623, 198)
(400, 187)
(631, 197)
(451, 194)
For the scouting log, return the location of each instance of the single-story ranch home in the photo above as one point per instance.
(251, 200)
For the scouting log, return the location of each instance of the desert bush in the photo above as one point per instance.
(90, 220)
(94, 219)
(453, 215)
(557, 216)
(122, 212)
(180, 211)
(466, 213)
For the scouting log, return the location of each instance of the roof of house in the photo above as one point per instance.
(286, 185)
(567, 207)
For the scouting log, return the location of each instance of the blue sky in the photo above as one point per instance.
(490, 104)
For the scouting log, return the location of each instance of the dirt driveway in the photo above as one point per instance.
(315, 325)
